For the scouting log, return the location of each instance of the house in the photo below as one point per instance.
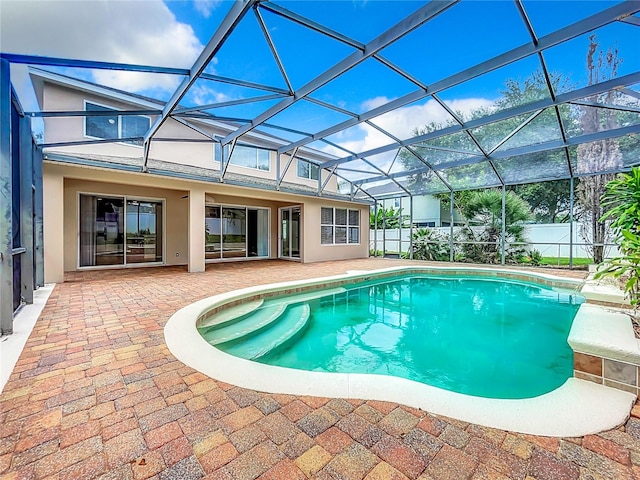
(107, 208)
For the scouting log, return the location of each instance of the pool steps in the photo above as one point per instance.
(251, 322)
(253, 329)
(256, 345)
(231, 314)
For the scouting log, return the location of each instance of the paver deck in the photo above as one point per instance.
(96, 394)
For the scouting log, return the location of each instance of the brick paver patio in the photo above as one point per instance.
(96, 394)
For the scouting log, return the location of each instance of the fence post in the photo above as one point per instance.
(504, 221)
(375, 229)
(410, 227)
(451, 255)
(570, 224)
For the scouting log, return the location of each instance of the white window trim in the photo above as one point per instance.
(125, 198)
(347, 226)
(247, 167)
(246, 207)
(84, 123)
(311, 166)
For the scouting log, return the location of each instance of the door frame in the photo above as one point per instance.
(290, 209)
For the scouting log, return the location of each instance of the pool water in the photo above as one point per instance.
(479, 336)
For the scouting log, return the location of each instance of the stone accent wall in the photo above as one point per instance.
(605, 371)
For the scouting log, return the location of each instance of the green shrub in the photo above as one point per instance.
(430, 245)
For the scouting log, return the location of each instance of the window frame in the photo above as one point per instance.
(118, 121)
(256, 150)
(125, 198)
(312, 167)
(347, 226)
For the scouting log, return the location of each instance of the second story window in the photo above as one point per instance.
(308, 170)
(114, 126)
(250, 157)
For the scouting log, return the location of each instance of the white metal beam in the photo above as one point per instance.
(235, 15)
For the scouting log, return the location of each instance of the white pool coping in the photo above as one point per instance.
(576, 408)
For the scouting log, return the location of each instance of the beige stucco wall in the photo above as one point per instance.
(176, 218)
(314, 251)
(63, 183)
(198, 154)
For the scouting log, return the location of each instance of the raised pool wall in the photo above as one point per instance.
(606, 350)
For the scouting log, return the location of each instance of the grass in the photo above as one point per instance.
(565, 261)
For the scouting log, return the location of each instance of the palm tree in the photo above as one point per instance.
(483, 211)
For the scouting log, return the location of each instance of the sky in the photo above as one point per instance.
(172, 33)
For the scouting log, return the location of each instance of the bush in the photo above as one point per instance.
(622, 199)
(535, 257)
(626, 267)
(430, 245)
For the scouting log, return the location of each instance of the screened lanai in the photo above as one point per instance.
(388, 99)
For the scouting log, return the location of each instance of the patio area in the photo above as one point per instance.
(97, 394)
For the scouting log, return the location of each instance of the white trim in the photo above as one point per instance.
(119, 123)
(300, 230)
(246, 257)
(163, 201)
(251, 147)
(25, 319)
(347, 226)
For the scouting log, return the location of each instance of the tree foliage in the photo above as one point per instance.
(599, 156)
(484, 209)
(549, 201)
(387, 218)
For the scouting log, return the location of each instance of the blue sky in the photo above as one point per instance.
(173, 33)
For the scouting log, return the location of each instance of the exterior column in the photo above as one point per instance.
(196, 231)
(6, 202)
(38, 220)
(26, 209)
(53, 213)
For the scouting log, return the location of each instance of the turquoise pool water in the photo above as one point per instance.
(479, 336)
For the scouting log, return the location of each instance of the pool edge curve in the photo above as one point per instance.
(576, 408)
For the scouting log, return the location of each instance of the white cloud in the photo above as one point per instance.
(401, 123)
(205, 7)
(139, 32)
(203, 95)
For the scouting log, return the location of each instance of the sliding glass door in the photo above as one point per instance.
(144, 231)
(101, 231)
(236, 232)
(103, 223)
(290, 232)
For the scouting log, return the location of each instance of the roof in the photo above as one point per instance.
(395, 103)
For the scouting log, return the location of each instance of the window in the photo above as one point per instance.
(114, 126)
(250, 157)
(120, 231)
(339, 226)
(236, 232)
(308, 170)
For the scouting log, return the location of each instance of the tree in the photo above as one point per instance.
(549, 201)
(484, 208)
(387, 218)
(599, 156)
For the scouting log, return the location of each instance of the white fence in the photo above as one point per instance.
(550, 239)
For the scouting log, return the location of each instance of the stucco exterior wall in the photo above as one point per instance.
(314, 251)
(176, 222)
(197, 154)
(63, 183)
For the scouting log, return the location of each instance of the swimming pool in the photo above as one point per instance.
(478, 335)
(578, 407)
